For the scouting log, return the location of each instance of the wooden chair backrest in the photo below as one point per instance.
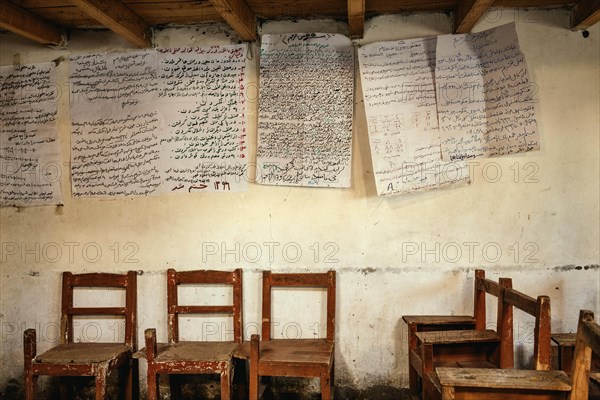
(100, 280)
(484, 287)
(319, 280)
(586, 343)
(174, 279)
(538, 308)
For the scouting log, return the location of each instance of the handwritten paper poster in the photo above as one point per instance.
(305, 110)
(202, 103)
(400, 104)
(29, 149)
(115, 126)
(151, 122)
(485, 99)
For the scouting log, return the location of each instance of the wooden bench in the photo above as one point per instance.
(538, 308)
(424, 323)
(493, 384)
(565, 343)
(476, 347)
(566, 347)
(194, 357)
(73, 358)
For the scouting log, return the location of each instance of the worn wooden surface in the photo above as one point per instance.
(83, 353)
(462, 336)
(504, 378)
(436, 320)
(309, 351)
(490, 384)
(192, 351)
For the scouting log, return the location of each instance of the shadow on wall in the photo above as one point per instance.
(207, 387)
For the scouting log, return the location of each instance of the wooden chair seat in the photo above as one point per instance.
(309, 352)
(557, 381)
(193, 351)
(85, 353)
(439, 320)
(455, 337)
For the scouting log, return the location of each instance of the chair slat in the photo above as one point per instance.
(201, 309)
(300, 280)
(204, 277)
(521, 301)
(97, 280)
(97, 311)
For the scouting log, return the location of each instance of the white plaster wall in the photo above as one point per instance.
(394, 256)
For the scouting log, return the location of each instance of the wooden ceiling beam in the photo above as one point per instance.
(585, 13)
(239, 16)
(27, 24)
(119, 18)
(356, 18)
(468, 12)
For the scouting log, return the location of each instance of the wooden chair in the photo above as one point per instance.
(476, 348)
(488, 384)
(72, 358)
(193, 357)
(424, 323)
(294, 357)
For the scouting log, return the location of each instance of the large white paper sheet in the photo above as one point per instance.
(30, 160)
(202, 103)
(485, 99)
(400, 104)
(305, 110)
(151, 122)
(115, 132)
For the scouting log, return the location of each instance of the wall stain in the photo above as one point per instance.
(567, 268)
(367, 271)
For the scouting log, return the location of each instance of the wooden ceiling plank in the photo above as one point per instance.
(239, 16)
(25, 23)
(356, 18)
(119, 18)
(468, 13)
(585, 13)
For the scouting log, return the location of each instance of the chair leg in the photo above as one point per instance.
(30, 384)
(64, 388)
(325, 385)
(226, 382)
(101, 383)
(29, 352)
(254, 359)
(152, 384)
(413, 381)
(126, 382)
